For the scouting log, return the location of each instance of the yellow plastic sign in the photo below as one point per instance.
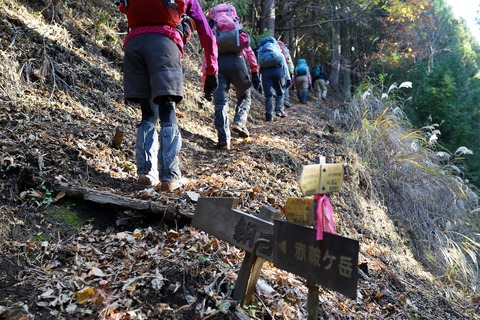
(299, 211)
(321, 178)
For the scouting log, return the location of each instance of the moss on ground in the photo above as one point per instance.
(66, 214)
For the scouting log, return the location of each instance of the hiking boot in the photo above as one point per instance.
(241, 130)
(287, 104)
(145, 181)
(281, 114)
(173, 185)
(222, 145)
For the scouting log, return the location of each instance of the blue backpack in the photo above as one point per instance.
(316, 72)
(269, 53)
(301, 69)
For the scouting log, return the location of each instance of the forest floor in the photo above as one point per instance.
(66, 258)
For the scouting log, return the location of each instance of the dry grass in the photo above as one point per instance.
(420, 186)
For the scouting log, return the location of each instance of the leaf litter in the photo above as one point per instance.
(60, 102)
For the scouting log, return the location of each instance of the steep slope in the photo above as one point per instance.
(61, 100)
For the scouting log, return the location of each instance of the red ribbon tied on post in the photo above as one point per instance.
(324, 215)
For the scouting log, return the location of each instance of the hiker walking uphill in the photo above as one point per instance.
(275, 76)
(153, 78)
(237, 66)
(303, 80)
(320, 82)
(291, 70)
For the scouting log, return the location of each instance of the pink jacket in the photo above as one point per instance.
(251, 59)
(207, 39)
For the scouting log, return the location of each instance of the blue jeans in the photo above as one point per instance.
(273, 81)
(302, 96)
(158, 152)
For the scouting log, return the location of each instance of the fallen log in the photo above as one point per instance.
(109, 198)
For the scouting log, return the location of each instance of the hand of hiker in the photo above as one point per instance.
(288, 84)
(209, 87)
(257, 84)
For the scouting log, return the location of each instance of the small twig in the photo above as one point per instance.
(264, 305)
(53, 76)
(26, 73)
(6, 92)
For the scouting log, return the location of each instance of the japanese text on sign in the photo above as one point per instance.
(332, 262)
(324, 260)
(321, 178)
(299, 210)
(246, 233)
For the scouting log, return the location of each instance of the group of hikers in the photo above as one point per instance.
(153, 78)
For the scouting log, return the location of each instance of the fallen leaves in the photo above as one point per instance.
(63, 128)
(84, 294)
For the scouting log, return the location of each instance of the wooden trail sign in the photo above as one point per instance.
(218, 217)
(332, 262)
(321, 178)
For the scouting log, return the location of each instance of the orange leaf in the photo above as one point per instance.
(59, 195)
(84, 295)
(173, 234)
(378, 295)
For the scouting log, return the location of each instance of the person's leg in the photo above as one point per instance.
(304, 89)
(269, 107)
(323, 84)
(241, 112)
(279, 106)
(268, 91)
(220, 99)
(318, 89)
(300, 86)
(286, 99)
(240, 78)
(170, 144)
(136, 78)
(299, 96)
(305, 96)
(279, 102)
(146, 147)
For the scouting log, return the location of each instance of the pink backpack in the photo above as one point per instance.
(227, 28)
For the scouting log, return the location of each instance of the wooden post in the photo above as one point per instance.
(251, 266)
(242, 278)
(118, 137)
(255, 264)
(312, 302)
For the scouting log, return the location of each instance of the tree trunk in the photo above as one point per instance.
(346, 49)
(336, 48)
(267, 21)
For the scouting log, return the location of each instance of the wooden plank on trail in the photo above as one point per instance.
(218, 217)
(108, 198)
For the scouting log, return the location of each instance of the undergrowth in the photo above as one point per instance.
(419, 182)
